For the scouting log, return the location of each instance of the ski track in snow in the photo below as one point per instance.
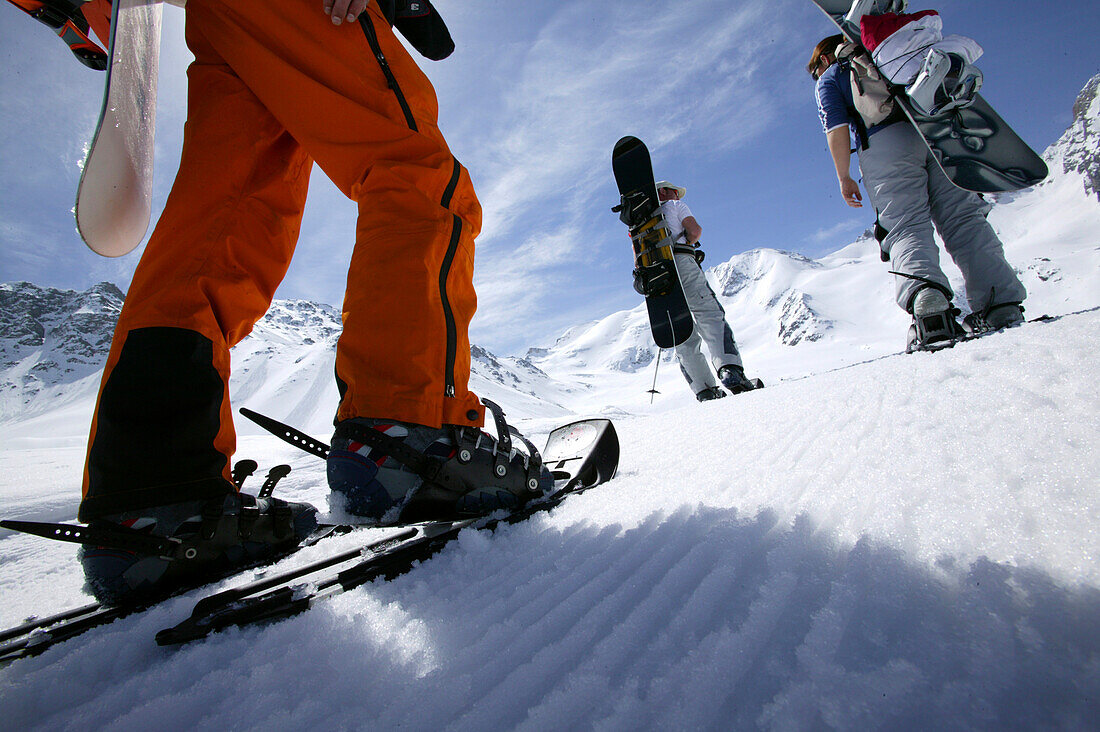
(909, 543)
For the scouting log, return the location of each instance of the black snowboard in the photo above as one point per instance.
(975, 147)
(655, 275)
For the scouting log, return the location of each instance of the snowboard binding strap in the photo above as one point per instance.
(448, 482)
(215, 523)
(634, 209)
(67, 20)
(101, 535)
(218, 530)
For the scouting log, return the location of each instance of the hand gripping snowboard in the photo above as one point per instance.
(655, 275)
(113, 202)
(975, 148)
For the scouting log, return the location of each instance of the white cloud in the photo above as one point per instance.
(831, 234)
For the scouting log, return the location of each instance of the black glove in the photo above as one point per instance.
(421, 25)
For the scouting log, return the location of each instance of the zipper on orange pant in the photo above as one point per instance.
(391, 80)
(445, 271)
(456, 229)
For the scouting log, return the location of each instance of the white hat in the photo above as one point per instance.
(679, 189)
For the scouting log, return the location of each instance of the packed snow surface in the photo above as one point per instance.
(909, 541)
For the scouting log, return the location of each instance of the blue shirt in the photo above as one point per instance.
(836, 106)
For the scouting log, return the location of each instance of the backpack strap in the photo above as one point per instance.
(853, 114)
(855, 59)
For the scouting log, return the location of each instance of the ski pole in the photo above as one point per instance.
(653, 389)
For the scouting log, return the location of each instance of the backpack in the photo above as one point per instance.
(870, 90)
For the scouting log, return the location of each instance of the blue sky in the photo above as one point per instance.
(532, 102)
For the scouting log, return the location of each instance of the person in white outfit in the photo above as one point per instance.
(711, 327)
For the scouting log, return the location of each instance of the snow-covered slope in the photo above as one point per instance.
(904, 544)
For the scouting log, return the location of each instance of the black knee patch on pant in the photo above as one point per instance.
(158, 416)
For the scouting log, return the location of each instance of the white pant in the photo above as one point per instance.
(711, 328)
(910, 193)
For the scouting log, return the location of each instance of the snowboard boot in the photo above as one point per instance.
(364, 479)
(998, 317)
(933, 320)
(945, 82)
(733, 378)
(962, 84)
(710, 393)
(200, 541)
(396, 472)
(926, 91)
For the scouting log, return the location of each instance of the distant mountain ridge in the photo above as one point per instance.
(50, 339)
(54, 343)
(791, 316)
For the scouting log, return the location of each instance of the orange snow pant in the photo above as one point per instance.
(275, 87)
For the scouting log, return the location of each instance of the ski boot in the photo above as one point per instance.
(710, 393)
(934, 323)
(733, 378)
(396, 472)
(153, 552)
(997, 317)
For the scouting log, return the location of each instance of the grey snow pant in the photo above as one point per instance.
(909, 192)
(711, 328)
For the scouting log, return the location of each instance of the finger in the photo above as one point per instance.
(356, 8)
(338, 10)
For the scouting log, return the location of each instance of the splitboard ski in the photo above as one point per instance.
(580, 455)
(655, 275)
(114, 199)
(40, 633)
(974, 146)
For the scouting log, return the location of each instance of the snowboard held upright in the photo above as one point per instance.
(655, 275)
(974, 146)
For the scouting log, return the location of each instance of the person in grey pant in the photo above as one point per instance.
(711, 327)
(910, 194)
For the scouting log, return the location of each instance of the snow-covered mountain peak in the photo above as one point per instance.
(54, 343)
(1078, 150)
(50, 339)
